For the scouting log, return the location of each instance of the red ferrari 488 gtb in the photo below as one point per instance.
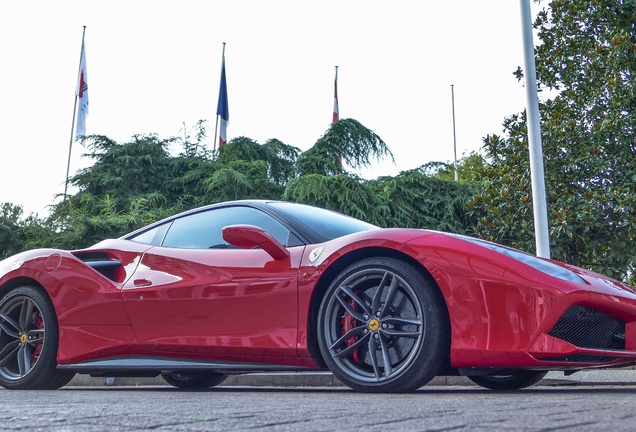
(253, 286)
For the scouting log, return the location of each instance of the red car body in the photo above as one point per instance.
(250, 312)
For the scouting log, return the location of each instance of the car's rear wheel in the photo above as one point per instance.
(29, 342)
(514, 381)
(194, 380)
(383, 327)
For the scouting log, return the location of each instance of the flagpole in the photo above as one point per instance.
(70, 145)
(216, 124)
(336, 113)
(454, 138)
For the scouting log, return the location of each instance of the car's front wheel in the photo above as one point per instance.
(383, 327)
(29, 342)
(194, 380)
(513, 381)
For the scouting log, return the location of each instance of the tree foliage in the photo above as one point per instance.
(345, 142)
(469, 169)
(343, 193)
(11, 239)
(124, 172)
(136, 183)
(415, 199)
(587, 57)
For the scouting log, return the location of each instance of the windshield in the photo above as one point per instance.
(323, 224)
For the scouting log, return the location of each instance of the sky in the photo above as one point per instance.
(154, 65)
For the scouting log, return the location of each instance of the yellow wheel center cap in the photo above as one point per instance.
(374, 324)
(23, 338)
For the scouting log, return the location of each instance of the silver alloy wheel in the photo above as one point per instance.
(374, 325)
(21, 333)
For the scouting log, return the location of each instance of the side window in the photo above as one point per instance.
(152, 237)
(204, 230)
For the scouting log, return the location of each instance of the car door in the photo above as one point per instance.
(197, 294)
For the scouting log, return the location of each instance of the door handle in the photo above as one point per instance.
(142, 282)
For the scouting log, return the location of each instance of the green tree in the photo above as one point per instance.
(279, 157)
(345, 142)
(470, 168)
(323, 181)
(136, 183)
(124, 172)
(418, 199)
(587, 57)
(11, 240)
(346, 194)
(198, 147)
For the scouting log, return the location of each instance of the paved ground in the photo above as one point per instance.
(434, 408)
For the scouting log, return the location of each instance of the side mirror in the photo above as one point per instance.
(250, 236)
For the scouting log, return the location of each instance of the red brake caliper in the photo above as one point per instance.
(349, 322)
(40, 324)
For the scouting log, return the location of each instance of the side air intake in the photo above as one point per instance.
(100, 262)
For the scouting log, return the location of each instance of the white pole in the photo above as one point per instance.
(537, 174)
(454, 138)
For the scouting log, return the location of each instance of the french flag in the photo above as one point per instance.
(222, 108)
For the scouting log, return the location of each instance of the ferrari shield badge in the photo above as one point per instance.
(313, 256)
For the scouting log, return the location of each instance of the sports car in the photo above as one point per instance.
(253, 286)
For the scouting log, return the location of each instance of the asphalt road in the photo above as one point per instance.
(571, 408)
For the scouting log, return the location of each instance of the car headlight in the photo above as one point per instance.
(537, 263)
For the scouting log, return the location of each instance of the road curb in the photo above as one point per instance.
(593, 377)
(326, 379)
(293, 379)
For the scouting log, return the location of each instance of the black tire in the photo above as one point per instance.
(29, 342)
(358, 336)
(514, 381)
(194, 380)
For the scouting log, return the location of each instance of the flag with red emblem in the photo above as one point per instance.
(336, 114)
(82, 96)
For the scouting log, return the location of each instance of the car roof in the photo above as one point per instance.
(297, 228)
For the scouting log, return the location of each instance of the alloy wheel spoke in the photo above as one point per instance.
(348, 291)
(26, 314)
(351, 333)
(9, 326)
(401, 321)
(373, 347)
(389, 297)
(353, 347)
(400, 333)
(8, 352)
(24, 360)
(385, 358)
(36, 341)
(38, 335)
(378, 293)
(357, 315)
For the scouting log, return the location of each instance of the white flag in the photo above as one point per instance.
(82, 95)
